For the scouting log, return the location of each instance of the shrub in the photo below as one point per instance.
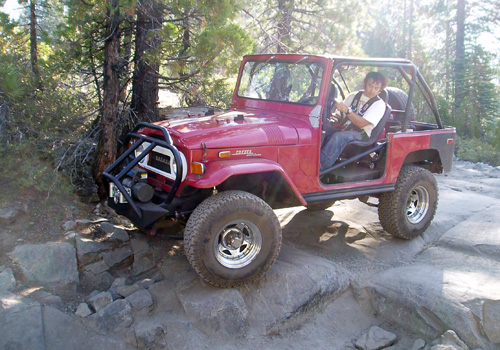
(476, 150)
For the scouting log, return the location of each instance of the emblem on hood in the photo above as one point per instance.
(246, 152)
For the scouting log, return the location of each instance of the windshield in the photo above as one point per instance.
(282, 81)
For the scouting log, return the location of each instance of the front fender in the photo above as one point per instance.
(216, 172)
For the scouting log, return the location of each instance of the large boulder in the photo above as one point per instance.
(214, 310)
(21, 327)
(452, 285)
(7, 280)
(51, 263)
(113, 318)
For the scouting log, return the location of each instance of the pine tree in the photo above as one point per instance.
(304, 26)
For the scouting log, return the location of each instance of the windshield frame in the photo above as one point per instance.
(317, 75)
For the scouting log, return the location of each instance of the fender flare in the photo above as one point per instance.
(216, 172)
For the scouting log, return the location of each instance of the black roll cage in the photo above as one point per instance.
(166, 142)
(414, 78)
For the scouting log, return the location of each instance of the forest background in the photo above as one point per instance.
(77, 74)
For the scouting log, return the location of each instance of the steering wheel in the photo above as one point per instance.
(342, 121)
(330, 104)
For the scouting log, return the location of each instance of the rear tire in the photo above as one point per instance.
(232, 238)
(408, 211)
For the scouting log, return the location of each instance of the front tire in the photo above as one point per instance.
(409, 210)
(232, 238)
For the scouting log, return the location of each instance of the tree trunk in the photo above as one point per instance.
(285, 8)
(447, 57)
(145, 78)
(34, 45)
(460, 56)
(127, 53)
(410, 32)
(110, 119)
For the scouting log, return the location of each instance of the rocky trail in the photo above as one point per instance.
(339, 283)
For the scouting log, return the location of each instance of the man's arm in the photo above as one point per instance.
(356, 119)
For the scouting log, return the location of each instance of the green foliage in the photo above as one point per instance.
(444, 108)
(321, 27)
(26, 169)
(476, 150)
(217, 92)
(11, 82)
(202, 41)
(478, 112)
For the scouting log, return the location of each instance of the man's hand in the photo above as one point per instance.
(341, 107)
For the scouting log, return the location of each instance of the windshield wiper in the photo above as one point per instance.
(264, 64)
(302, 59)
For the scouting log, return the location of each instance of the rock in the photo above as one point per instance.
(444, 347)
(69, 226)
(375, 338)
(150, 335)
(97, 267)
(146, 283)
(120, 235)
(119, 282)
(112, 318)
(101, 300)
(140, 299)
(8, 215)
(65, 331)
(102, 281)
(418, 344)
(449, 340)
(140, 247)
(50, 299)
(83, 310)
(142, 265)
(289, 285)
(176, 337)
(125, 291)
(51, 263)
(450, 285)
(214, 310)
(21, 327)
(7, 280)
(118, 257)
(115, 233)
(491, 320)
(87, 249)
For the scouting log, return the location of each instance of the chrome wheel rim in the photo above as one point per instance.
(417, 204)
(237, 244)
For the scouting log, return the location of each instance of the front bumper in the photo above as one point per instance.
(120, 197)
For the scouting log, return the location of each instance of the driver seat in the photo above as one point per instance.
(368, 146)
(376, 132)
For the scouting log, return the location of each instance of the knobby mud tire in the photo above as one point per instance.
(208, 234)
(409, 210)
(398, 99)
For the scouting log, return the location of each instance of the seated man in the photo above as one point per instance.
(364, 109)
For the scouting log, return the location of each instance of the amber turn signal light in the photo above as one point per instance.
(198, 168)
(225, 154)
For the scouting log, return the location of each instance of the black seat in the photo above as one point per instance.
(371, 144)
(377, 130)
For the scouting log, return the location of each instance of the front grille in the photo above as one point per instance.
(161, 162)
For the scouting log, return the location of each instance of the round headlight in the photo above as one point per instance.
(138, 151)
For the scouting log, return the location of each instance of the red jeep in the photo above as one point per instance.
(222, 175)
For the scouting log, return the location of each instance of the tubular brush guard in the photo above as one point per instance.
(143, 215)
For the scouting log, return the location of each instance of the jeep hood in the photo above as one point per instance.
(232, 129)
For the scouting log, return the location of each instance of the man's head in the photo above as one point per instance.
(374, 83)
